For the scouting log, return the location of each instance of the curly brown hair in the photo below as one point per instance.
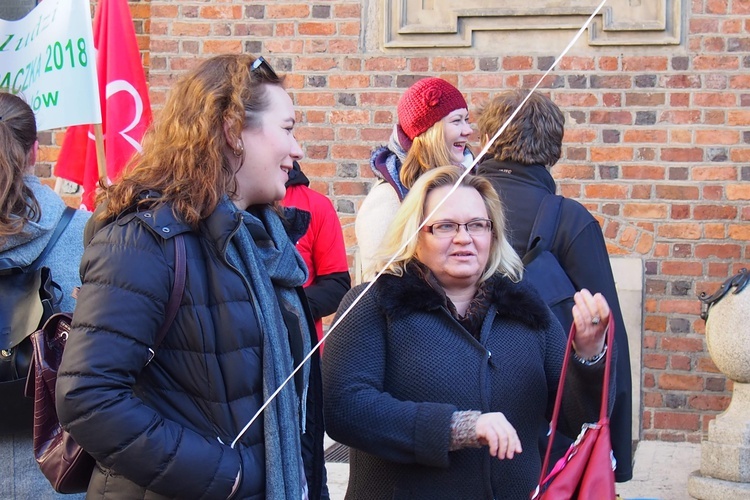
(18, 205)
(533, 137)
(183, 155)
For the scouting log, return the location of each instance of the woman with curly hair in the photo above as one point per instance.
(213, 169)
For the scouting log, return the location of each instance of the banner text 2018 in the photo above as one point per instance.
(57, 55)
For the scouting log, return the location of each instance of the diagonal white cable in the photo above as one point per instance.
(414, 235)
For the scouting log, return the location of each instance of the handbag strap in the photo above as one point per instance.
(561, 385)
(175, 297)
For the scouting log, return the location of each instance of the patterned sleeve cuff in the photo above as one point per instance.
(464, 430)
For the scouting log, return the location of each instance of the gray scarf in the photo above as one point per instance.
(266, 257)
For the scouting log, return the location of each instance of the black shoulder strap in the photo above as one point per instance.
(178, 288)
(65, 219)
(545, 227)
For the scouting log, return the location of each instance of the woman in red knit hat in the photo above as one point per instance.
(432, 130)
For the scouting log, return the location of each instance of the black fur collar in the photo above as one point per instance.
(410, 293)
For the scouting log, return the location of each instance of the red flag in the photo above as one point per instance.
(126, 110)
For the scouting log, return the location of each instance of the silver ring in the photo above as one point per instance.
(595, 320)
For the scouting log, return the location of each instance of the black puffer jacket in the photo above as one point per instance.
(163, 430)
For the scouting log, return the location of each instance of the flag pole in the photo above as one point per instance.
(101, 160)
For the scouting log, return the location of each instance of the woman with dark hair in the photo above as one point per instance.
(29, 214)
(213, 169)
(441, 375)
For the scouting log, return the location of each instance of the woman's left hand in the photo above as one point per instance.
(591, 316)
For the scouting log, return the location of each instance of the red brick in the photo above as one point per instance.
(681, 193)
(714, 212)
(673, 382)
(453, 64)
(606, 154)
(716, 63)
(349, 29)
(653, 400)
(221, 12)
(739, 232)
(655, 361)
(653, 63)
(385, 64)
(682, 82)
(715, 99)
(645, 211)
(723, 136)
(680, 117)
(577, 63)
(222, 46)
(612, 117)
(709, 402)
(190, 29)
(716, 6)
(316, 29)
(608, 63)
(349, 81)
(738, 192)
(681, 363)
(725, 251)
(739, 82)
(605, 191)
(516, 63)
(738, 118)
(679, 268)
(343, 11)
(645, 136)
(586, 100)
(287, 11)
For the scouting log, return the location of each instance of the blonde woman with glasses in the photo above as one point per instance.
(440, 376)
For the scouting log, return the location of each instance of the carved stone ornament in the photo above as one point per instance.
(456, 23)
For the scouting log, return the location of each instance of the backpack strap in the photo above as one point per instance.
(65, 219)
(178, 289)
(544, 229)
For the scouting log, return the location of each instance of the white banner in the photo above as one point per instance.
(48, 58)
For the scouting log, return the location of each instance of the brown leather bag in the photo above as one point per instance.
(63, 462)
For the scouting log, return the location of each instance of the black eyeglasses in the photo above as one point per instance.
(447, 229)
(263, 65)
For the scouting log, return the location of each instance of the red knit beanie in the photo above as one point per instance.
(427, 102)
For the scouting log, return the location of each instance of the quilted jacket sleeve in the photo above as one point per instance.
(358, 410)
(127, 280)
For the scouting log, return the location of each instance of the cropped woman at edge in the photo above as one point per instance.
(29, 214)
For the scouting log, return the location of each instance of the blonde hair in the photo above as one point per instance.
(428, 150)
(410, 215)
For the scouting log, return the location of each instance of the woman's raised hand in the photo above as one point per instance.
(494, 430)
(591, 316)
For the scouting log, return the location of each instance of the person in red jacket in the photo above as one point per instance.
(322, 248)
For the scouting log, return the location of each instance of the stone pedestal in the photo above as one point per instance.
(725, 454)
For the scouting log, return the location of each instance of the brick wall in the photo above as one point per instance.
(657, 145)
